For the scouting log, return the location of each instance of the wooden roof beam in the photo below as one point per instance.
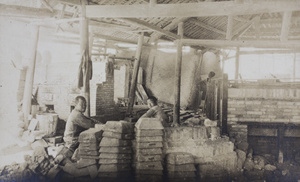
(244, 43)
(107, 37)
(286, 24)
(156, 35)
(200, 9)
(138, 22)
(242, 29)
(229, 27)
(206, 26)
(47, 5)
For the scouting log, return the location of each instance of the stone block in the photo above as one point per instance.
(121, 174)
(90, 135)
(148, 133)
(114, 161)
(85, 162)
(153, 172)
(119, 126)
(114, 167)
(149, 124)
(146, 145)
(183, 167)
(93, 171)
(83, 152)
(151, 151)
(89, 146)
(180, 158)
(116, 150)
(124, 136)
(73, 170)
(146, 158)
(181, 174)
(149, 139)
(114, 156)
(148, 166)
(113, 142)
(241, 157)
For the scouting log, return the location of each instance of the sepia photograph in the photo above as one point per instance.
(150, 90)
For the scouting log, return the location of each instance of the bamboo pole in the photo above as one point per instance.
(84, 48)
(176, 109)
(135, 74)
(30, 75)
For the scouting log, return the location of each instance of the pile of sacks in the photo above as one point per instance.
(115, 151)
(180, 167)
(148, 150)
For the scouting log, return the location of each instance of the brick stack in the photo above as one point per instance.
(180, 167)
(115, 152)
(88, 155)
(148, 150)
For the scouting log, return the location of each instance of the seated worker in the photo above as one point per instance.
(155, 111)
(76, 123)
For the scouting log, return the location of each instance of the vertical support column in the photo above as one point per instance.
(176, 109)
(229, 27)
(237, 64)
(84, 48)
(286, 24)
(280, 144)
(135, 73)
(294, 67)
(224, 104)
(30, 75)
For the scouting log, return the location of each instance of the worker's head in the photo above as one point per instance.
(80, 103)
(151, 101)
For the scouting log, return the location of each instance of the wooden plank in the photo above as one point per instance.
(139, 23)
(225, 104)
(285, 26)
(176, 107)
(70, 2)
(190, 9)
(242, 43)
(257, 27)
(30, 74)
(229, 27)
(135, 74)
(142, 92)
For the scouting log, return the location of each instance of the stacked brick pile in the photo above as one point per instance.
(148, 150)
(115, 152)
(180, 167)
(88, 152)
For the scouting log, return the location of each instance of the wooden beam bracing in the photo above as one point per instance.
(242, 43)
(206, 26)
(200, 9)
(135, 74)
(150, 26)
(47, 5)
(237, 63)
(286, 24)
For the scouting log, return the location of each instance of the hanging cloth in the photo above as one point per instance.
(84, 65)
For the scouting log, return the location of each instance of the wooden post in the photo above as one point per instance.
(280, 143)
(30, 75)
(229, 27)
(84, 48)
(286, 24)
(224, 104)
(237, 64)
(294, 67)
(176, 109)
(135, 74)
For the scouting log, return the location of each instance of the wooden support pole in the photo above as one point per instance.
(224, 104)
(237, 63)
(135, 74)
(176, 109)
(280, 144)
(286, 23)
(84, 48)
(30, 74)
(229, 27)
(294, 67)
(153, 3)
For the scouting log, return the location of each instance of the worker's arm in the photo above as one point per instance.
(148, 114)
(83, 121)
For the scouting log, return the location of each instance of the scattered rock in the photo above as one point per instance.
(270, 167)
(248, 165)
(241, 157)
(243, 146)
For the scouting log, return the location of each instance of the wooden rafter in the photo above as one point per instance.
(223, 8)
(242, 29)
(229, 27)
(47, 5)
(206, 26)
(150, 26)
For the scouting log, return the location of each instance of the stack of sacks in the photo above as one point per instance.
(115, 151)
(180, 167)
(148, 150)
(88, 153)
